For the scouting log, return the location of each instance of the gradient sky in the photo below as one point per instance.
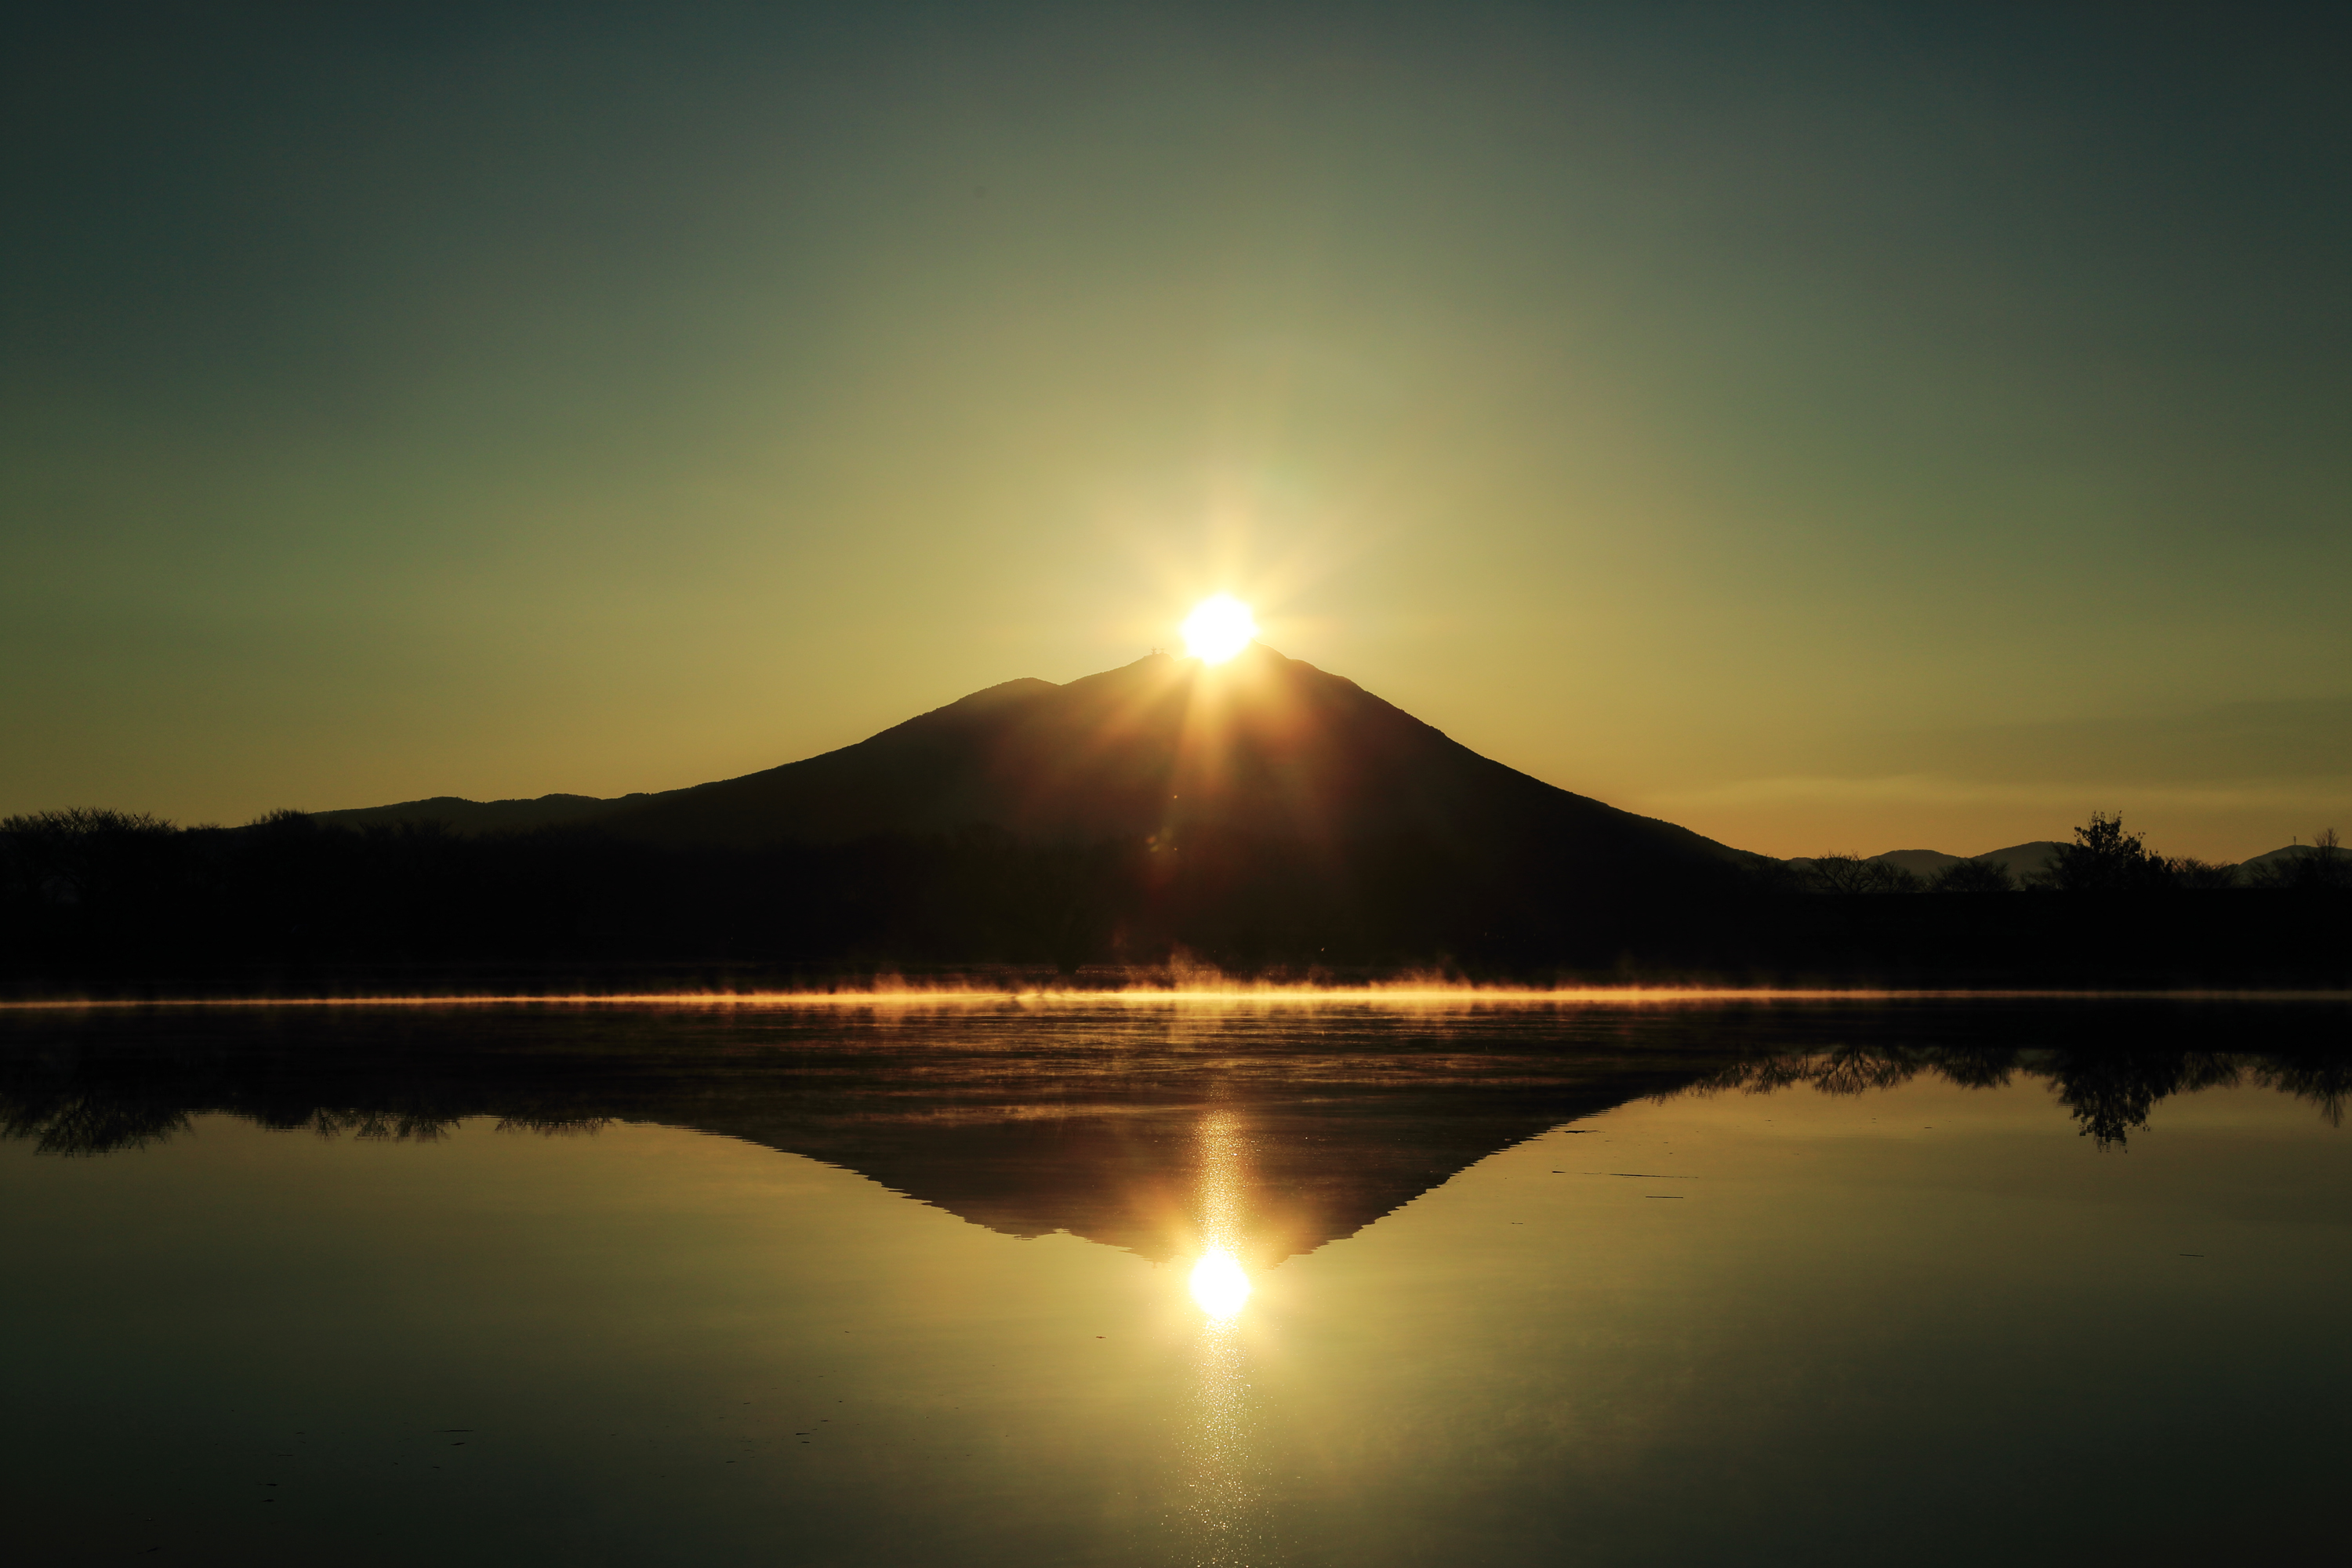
(1838, 427)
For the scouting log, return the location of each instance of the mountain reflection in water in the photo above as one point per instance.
(1712, 1292)
(1116, 1124)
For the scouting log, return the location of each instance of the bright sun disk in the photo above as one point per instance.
(1218, 1283)
(1219, 627)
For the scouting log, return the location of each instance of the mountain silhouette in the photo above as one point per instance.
(1262, 818)
(1265, 746)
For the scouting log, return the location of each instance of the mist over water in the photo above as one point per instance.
(1240, 1281)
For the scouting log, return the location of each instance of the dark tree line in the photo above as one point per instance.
(2104, 859)
(83, 892)
(94, 900)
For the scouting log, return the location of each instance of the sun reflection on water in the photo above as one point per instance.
(1225, 1517)
(1219, 1284)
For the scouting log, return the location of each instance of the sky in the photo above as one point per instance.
(1838, 427)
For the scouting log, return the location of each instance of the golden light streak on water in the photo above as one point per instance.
(1225, 1519)
(1217, 1280)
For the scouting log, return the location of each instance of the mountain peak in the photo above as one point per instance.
(1263, 745)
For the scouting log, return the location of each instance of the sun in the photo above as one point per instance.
(1219, 627)
(1218, 1283)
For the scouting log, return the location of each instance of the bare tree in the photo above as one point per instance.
(1853, 874)
(1973, 877)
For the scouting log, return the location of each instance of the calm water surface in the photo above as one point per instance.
(1177, 1283)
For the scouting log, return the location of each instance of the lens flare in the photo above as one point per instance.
(1218, 1283)
(1218, 628)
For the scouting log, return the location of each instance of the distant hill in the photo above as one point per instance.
(2285, 855)
(2019, 860)
(2025, 861)
(1920, 863)
(473, 816)
(1265, 746)
(2022, 860)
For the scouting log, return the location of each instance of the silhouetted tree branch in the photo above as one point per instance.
(1973, 877)
(1853, 874)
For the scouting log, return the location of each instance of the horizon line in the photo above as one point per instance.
(1421, 995)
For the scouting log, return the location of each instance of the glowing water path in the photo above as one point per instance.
(1224, 1507)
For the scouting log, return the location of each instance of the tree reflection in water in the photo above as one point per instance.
(2111, 1094)
(1029, 1121)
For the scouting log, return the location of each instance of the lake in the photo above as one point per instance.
(1178, 1280)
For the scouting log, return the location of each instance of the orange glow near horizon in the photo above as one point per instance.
(1165, 992)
